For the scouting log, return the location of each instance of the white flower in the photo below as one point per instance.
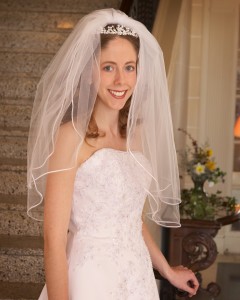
(210, 183)
(199, 169)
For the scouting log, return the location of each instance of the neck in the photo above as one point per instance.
(106, 119)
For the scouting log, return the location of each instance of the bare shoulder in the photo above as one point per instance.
(70, 145)
(86, 150)
(67, 132)
(65, 147)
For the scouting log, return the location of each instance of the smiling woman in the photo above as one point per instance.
(100, 143)
(117, 77)
(118, 66)
(117, 72)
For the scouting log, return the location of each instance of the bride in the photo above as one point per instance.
(100, 143)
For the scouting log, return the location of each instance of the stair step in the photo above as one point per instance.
(31, 42)
(12, 202)
(38, 21)
(17, 268)
(81, 6)
(12, 167)
(13, 132)
(13, 150)
(20, 291)
(17, 222)
(19, 101)
(21, 244)
(13, 180)
(19, 263)
(11, 114)
(12, 161)
(14, 87)
(14, 219)
(26, 64)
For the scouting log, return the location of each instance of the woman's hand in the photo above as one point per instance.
(183, 279)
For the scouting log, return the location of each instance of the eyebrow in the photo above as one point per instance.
(113, 63)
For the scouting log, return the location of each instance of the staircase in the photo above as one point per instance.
(31, 31)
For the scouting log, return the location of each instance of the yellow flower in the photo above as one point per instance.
(211, 165)
(199, 169)
(209, 152)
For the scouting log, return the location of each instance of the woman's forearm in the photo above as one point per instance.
(56, 271)
(177, 276)
(158, 260)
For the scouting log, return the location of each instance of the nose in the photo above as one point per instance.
(119, 77)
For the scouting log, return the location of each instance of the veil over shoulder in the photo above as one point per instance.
(66, 94)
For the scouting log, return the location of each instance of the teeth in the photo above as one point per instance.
(118, 94)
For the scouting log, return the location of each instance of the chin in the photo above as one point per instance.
(120, 105)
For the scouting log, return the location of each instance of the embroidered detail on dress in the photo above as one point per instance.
(108, 199)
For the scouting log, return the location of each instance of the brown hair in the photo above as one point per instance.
(93, 131)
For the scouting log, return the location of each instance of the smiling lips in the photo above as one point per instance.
(118, 94)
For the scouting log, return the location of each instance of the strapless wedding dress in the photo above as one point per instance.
(107, 256)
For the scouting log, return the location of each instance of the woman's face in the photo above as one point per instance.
(117, 73)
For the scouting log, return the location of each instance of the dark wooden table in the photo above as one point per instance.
(193, 246)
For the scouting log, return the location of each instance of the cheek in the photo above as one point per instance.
(134, 80)
(102, 84)
(105, 80)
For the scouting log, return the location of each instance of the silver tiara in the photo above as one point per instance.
(119, 30)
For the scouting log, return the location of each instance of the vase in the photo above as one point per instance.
(198, 186)
(201, 208)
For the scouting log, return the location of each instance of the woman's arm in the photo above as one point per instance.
(57, 209)
(178, 276)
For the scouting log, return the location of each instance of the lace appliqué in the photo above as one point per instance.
(109, 195)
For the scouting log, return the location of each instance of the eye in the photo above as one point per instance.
(108, 68)
(130, 68)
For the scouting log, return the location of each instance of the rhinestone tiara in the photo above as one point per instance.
(119, 30)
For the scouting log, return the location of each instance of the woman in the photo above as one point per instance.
(100, 143)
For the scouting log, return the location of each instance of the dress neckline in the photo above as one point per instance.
(99, 151)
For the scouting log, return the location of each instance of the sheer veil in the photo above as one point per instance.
(68, 88)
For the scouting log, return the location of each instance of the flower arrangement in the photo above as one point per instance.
(200, 165)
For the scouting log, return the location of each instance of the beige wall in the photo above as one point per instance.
(211, 98)
(165, 27)
(199, 42)
(172, 30)
(195, 67)
(211, 90)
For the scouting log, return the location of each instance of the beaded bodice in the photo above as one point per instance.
(105, 232)
(109, 194)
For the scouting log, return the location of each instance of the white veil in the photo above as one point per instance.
(69, 87)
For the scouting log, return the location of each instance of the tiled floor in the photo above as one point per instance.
(228, 277)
